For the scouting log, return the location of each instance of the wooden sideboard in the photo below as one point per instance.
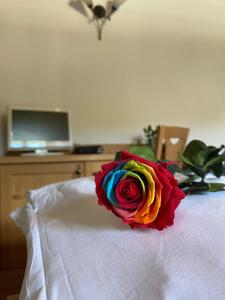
(18, 175)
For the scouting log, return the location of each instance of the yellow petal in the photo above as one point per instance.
(150, 210)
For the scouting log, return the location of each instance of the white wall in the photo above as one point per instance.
(158, 63)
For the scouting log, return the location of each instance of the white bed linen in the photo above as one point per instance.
(78, 250)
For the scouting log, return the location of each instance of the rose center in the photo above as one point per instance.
(129, 193)
(130, 190)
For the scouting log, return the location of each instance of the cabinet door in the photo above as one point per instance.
(92, 167)
(16, 180)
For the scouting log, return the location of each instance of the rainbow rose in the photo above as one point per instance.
(142, 193)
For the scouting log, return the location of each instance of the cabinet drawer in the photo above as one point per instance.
(92, 167)
(16, 180)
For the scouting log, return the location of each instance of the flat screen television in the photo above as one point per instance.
(38, 130)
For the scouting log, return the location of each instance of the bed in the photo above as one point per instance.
(79, 250)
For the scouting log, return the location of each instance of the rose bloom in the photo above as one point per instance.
(142, 193)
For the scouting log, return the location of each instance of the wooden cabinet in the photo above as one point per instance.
(92, 167)
(20, 174)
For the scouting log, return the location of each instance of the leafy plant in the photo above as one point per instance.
(198, 160)
(201, 160)
(150, 135)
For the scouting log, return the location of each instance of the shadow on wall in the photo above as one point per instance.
(2, 134)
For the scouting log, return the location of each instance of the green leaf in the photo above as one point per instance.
(194, 146)
(194, 187)
(200, 157)
(215, 187)
(214, 152)
(197, 152)
(143, 151)
(217, 169)
(197, 170)
(186, 160)
(215, 160)
(117, 156)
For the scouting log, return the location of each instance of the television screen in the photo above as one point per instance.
(31, 129)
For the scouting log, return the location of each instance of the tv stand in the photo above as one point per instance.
(42, 152)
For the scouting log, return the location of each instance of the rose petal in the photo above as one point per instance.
(110, 183)
(128, 193)
(165, 185)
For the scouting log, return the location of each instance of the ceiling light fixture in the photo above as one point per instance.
(101, 14)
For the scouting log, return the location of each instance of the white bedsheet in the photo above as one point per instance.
(78, 250)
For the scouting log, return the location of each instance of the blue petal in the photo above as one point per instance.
(107, 176)
(109, 186)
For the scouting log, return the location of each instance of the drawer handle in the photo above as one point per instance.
(16, 197)
(78, 172)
